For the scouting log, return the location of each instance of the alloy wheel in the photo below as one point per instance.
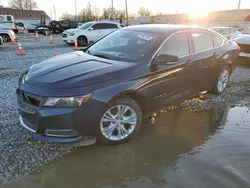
(223, 80)
(5, 39)
(118, 122)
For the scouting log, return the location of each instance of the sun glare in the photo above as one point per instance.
(197, 14)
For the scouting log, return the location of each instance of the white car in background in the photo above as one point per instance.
(243, 41)
(7, 35)
(1, 40)
(227, 32)
(246, 31)
(89, 32)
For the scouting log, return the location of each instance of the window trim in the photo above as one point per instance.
(194, 50)
(188, 31)
(211, 34)
(214, 36)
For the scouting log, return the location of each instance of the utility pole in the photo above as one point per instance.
(75, 10)
(126, 4)
(239, 4)
(112, 10)
(55, 11)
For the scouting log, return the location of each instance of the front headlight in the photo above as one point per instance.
(72, 33)
(68, 101)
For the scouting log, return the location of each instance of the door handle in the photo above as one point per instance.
(216, 55)
(189, 62)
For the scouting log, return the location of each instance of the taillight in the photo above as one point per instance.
(238, 48)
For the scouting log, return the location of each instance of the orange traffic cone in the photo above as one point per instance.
(76, 46)
(20, 49)
(12, 41)
(55, 55)
(37, 37)
(51, 39)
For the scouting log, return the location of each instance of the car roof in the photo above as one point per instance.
(102, 22)
(222, 27)
(162, 28)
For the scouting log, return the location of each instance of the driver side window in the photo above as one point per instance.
(176, 45)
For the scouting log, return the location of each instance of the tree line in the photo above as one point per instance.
(90, 12)
(23, 4)
(94, 13)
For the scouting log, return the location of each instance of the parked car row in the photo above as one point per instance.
(107, 89)
(242, 38)
(89, 32)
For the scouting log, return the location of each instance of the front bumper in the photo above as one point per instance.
(69, 39)
(59, 124)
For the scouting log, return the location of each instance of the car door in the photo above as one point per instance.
(199, 65)
(168, 82)
(95, 32)
(109, 27)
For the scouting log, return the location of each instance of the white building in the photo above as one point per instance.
(25, 16)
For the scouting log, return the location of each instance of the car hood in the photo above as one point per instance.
(70, 30)
(76, 69)
(242, 39)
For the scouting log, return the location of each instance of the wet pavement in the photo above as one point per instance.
(180, 149)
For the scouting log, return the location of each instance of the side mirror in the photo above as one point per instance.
(91, 29)
(166, 59)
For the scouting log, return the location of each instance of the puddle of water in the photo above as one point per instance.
(181, 149)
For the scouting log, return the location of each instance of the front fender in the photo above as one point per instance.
(108, 93)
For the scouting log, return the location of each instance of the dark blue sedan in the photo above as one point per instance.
(107, 89)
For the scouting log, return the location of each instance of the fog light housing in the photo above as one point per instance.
(62, 133)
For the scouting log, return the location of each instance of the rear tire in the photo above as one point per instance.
(221, 81)
(127, 123)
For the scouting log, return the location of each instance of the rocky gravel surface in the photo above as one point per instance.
(21, 154)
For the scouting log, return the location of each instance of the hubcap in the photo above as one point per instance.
(5, 39)
(118, 122)
(223, 80)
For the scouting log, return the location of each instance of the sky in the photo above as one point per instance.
(196, 7)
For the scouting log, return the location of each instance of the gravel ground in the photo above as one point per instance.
(20, 153)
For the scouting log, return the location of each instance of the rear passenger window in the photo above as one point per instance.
(9, 19)
(99, 26)
(217, 41)
(176, 45)
(202, 41)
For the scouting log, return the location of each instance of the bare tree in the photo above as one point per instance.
(23, 4)
(144, 12)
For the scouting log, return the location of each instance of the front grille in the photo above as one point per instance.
(64, 35)
(244, 48)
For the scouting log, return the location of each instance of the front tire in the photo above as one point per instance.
(120, 122)
(82, 41)
(221, 81)
(6, 38)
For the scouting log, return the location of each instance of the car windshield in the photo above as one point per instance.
(246, 31)
(219, 30)
(85, 25)
(125, 45)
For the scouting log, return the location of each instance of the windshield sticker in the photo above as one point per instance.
(145, 37)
